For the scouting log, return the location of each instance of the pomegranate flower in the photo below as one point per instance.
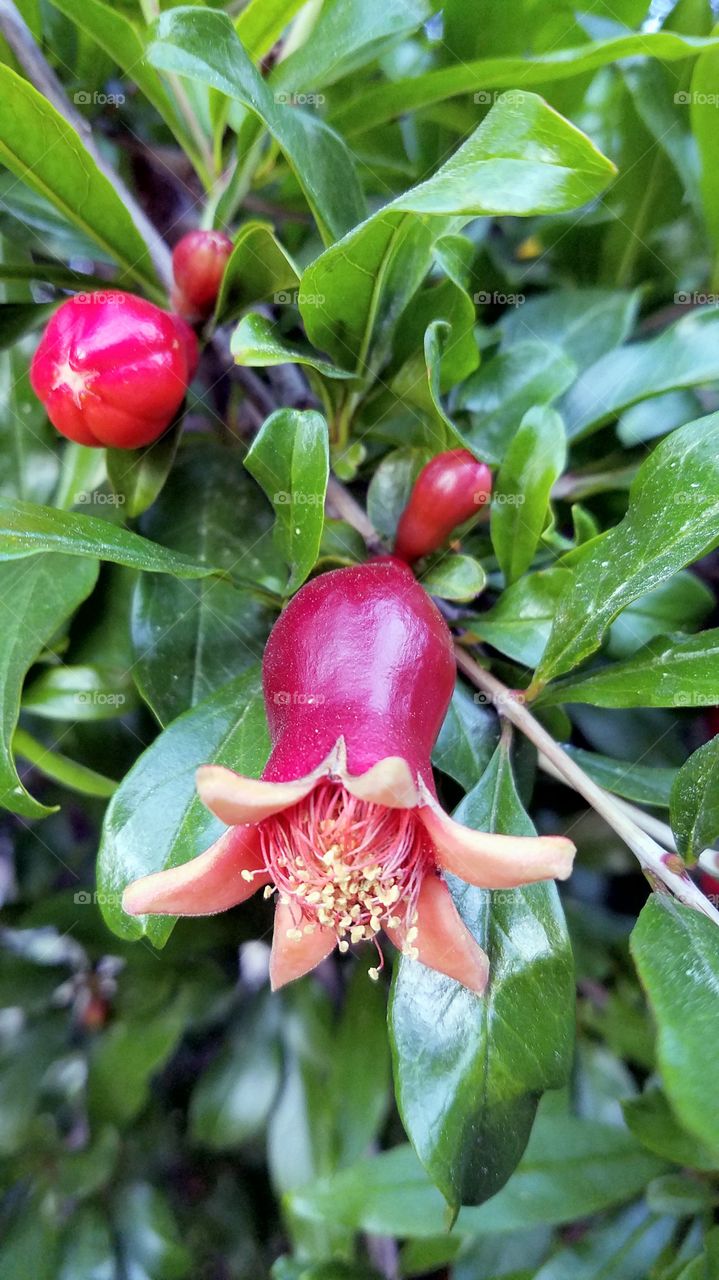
(344, 826)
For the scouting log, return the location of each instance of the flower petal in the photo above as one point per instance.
(443, 941)
(493, 861)
(388, 782)
(209, 883)
(292, 957)
(235, 799)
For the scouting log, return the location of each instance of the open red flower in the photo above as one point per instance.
(344, 825)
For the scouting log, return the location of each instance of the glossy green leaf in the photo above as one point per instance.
(40, 147)
(36, 596)
(679, 604)
(119, 36)
(673, 519)
(188, 638)
(505, 388)
(137, 475)
(675, 951)
(519, 624)
(652, 1120)
(394, 99)
(366, 278)
(467, 739)
(695, 801)
(289, 458)
(703, 109)
(79, 693)
(258, 269)
(645, 784)
(520, 496)
(686, 355)
(155, 818)
(585, 323)
(469, 1071)
(571, 1169)
(455, 577)
(665, 673)
(27, 530)
(28, 457)
(256, 342)
(202, 44)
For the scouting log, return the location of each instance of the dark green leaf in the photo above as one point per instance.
(585, 323)
(137, 475)
(259, 269)
(646, 784)
(520, 497)
(467, 739)
(18, 318)
(665, 673)
(652, 1120)
(506, 388)
(695, 801)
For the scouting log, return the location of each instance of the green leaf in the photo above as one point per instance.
(571, 1169)
(467, 739)
(36, 597)
(290, 459)
(40, 147)
(652, 1120)
(686, 355)
(703, 87)
(126, 45)
(469, 1071)
(679, 604)
(155, 819)
(137, 475)
(202, 44)
(190, 637)
(89, 1253)
(27, 530)
(232, 1099)
(152, 1245)
(695, 801)
(69, 773)
(645, 784)
(28, 459)
(259, 268)
(359, 1080)
(675, 951)
(391, 100)
(585, 323)
(455, 577)
(346, 35)
(673, 519)
(519, 624)
(256, 342)
(391, 486)
(262, 22)
(520, 497)
(506, 388)
(655, 417)
(522, 159)
(19, 318)
(80, 693)
(665, 673)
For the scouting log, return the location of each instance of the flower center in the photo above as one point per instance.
(347, 864)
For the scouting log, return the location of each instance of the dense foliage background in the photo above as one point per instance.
(494, 226)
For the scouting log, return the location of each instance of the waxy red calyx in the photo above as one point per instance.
(113, 369)
(344, 826)
(449, 490)
(198, 265)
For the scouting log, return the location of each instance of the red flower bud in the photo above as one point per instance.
(112, 369)
(345, 825)
(198, 264)
(447, 491)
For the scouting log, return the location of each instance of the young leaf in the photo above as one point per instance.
(665, 673)
(36, 596)
(468, 1072)
(673, 519)
(503, 390)
(259, 268)
(519, 624)
(368, 277)
(675, 951)
(455, 577)
(255, 342)
(155, 819)
(137, 475)
(694, 805)
(289, 458)
(520, 498)
(40, 147)
(202, 44)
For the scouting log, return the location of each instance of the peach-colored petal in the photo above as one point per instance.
(292, 956)
(235, 799)
(388, 782)
(209, 883)
(443, 941)
(493, 861)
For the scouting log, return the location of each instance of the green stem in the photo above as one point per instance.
(70, 774)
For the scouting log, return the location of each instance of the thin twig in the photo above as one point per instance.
(40, 74)
(344, 505)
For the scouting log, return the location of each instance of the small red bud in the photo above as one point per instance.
(198, 263)
(448, 490)
(112, 369)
